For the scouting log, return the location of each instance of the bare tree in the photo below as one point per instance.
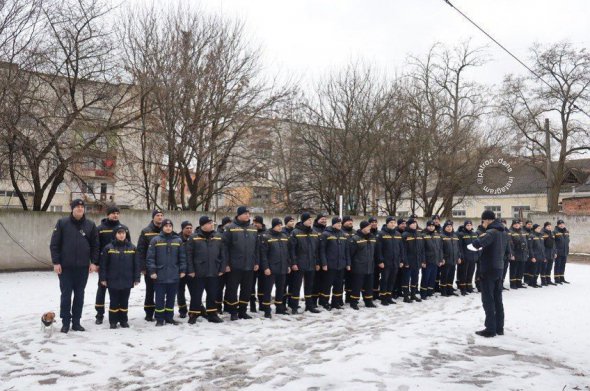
(527, 101)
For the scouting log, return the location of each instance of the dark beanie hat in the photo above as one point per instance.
(364, 224)
(389, 219)
(346, 218)
(305, 216)
(560, 222)
(185, 224)
(488, 215)
(225, 220)
(447, 223)
(113, 209)
(258, 219)
(516, 221)
(274, 222)
(411, 221)
(241, 210)
(155, 212)
(528, 222)
(434, 217)
(166, 222)
(467, 222)
(503, 221)
(336, 220)
(400, 221)
(535, 226)
(121, 227)
(372, 219)
(429, 222)
(76, 202)
(204, 220)
(287, 219)
(546, 224)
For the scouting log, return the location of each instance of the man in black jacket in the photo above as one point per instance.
(74, 253)
(550, 254)
(492, 244)
(361, 253)
(466, 270)
(305, 260)
(288, 226)
(562, 248)
(106, 235)
(225, 221)
(333, 257)
(520, 251)
(276, 264)
(389, 252)
(143, 242)
(319, 225)
(186, 232)
(243, 257)
(206, 262)
(258, 279)
(348, 229)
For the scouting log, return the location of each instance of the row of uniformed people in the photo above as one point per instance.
(381, 264)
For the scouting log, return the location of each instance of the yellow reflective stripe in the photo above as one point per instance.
(409, 238)
(105, 231)
(216, 238)
(361, 241)
(129, 251)
(175, 244)
(332, 238)
(272, 240)
(284, 240)
(150, 234)
(161, 244)
(198, 238)
(113, 252)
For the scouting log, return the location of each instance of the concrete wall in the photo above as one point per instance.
(578, 225)
(32, 230)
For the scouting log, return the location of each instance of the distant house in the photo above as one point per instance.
(517, 193)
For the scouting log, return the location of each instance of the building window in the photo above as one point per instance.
(56, 208)
(459, 213)
(403, 214)
(525, 211)
(496, 209)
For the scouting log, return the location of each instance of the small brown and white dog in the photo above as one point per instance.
(47, 321)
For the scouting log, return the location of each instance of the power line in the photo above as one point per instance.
(44, 262)
(511, 54)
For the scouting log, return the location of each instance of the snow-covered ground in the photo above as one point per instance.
(426, 346)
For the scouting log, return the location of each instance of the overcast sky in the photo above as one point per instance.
(308, 38)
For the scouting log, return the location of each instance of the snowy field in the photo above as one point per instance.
(426, 346)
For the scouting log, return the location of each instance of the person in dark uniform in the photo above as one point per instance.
(550, 254)
(389, 252)
(304, 246)
(119, 272)
(185, 233)
(437, 226)
(333, 258)
(414, 257)
(528, 266)
(275, 262)
(361, 253)
(206, 262)
(147, 234)
(348, 229)
(243, 256)
(451, 257)
(536, 254)
(225, 221)
(106, 235)
(165, 265)
(258, 281)
(288, 226)
(509, 256)
(319, 225)
(466, 269)
(492, 245)
(562, 248)
(397, 288)
(433, 255)
(74, 254)
(520, 251)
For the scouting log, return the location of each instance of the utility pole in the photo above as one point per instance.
(548, 169)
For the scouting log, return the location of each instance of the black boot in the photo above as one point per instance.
(370, 304)
(354, 305)
(182, 315)
(65, 327)
(192, 319)
(267, 313)
(384, 302)
(159, 323)
(124, 325)
(113, 326)
(485, 333)
(234, 316)
(214, 318)
(77, 327)
(244, 315)
(99, 319)
(416, 298)
(407, 299)
(149, 318)
(252, 305)
(294, 311)
(172, 322)
(312, 309)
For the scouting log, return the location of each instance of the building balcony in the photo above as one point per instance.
(93, 198)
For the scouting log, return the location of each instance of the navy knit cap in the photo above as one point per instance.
(372, 219)
(364, 224)
(112, 209)
(346, 218)
(166, 222)
(155, 212)
(241, 210)
(204, 220)
(274, 222)
(400, 221)
(389, 219)
(467, 222)
(287, 219)
(185, 224)
(225, 220)
(488, 215)
(305, 216)
(336, 220)
(76, 202)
